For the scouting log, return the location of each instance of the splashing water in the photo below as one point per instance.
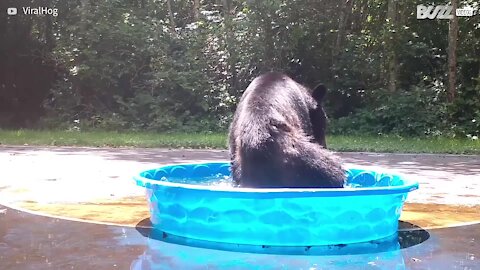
(218, 180)
(221, 180)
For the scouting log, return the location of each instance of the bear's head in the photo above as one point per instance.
(318, 117)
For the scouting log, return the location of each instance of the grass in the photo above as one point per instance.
(111, 139)
(393, 144)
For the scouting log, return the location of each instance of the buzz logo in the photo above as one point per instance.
(432, 12)
(443, 12)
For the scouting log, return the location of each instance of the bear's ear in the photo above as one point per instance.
(319, 93)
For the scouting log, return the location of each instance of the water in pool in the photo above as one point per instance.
(218, 180)
(221, 180)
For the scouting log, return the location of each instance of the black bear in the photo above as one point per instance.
(277, 137)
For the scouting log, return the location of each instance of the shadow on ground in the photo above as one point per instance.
(408, 235)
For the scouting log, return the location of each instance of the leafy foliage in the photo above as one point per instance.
(147, 65)
(418, 112)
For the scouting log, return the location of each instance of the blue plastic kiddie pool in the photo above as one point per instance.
(198, 201)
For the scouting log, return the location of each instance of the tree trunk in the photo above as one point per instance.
(392, 59)
(196, 9)
(170, 16)
(84, 11)
(269, 46)
(452, 52)
(48, 33)
(49, 40)
(478, 73)
(345, 11)
(232, 56)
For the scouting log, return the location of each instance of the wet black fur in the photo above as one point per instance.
(277, 137)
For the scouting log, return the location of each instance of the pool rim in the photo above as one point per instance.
(408, 185)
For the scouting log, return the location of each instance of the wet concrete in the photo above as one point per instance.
(34, 242)
(95, 184)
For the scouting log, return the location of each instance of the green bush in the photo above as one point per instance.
(418, 112)
(465, 112)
